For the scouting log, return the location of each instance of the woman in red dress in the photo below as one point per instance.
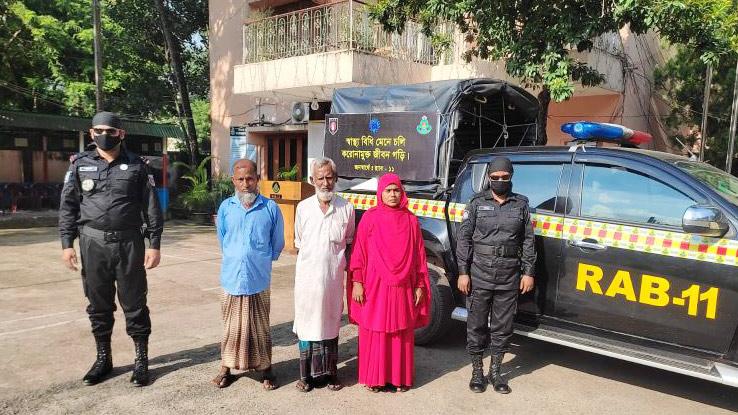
(389, 294)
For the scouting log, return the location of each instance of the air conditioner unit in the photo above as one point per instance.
(324, 107)
(300, 112)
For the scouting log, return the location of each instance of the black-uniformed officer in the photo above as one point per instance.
(496, 246)
(108, 195)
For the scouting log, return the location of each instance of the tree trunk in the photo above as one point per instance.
(98, 49)
(180, 115)
(175, 61)
(544, 98)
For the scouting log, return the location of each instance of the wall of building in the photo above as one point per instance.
(56, 167)
(11, 166)
(228, 108)
(644, 54)
(598, 108)
(225, 43)
(316, 140)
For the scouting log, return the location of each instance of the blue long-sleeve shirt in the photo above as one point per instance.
(250, 240)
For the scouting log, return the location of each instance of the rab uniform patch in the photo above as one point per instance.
(88, 184)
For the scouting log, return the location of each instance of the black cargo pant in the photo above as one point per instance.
(496, 307)
(111, 259)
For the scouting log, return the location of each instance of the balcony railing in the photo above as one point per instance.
(335, 27)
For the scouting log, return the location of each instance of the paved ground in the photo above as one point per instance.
(45, 348)
(28, 219)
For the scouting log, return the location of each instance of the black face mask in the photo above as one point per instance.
(501, 188)
(106, 142)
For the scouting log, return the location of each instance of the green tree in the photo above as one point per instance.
(536, 38)
(708, 26)
(201, 115)
(682, 81)
(46, 59)
(135, 68)
(197, 65)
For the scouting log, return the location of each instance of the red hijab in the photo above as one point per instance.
(394, 236)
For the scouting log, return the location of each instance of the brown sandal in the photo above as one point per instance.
(334, 384)
(303, 386)
(223, 380)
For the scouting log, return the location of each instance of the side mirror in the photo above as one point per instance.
(705, 221)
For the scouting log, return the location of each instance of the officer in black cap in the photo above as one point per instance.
(107, 199)
(496, 248)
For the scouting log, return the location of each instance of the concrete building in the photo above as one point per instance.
(266, 56)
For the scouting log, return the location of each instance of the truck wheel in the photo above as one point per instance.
(442, 304)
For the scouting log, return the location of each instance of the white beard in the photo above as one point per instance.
(247, 198)
(324, 196)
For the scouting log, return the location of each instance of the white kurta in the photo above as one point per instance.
(320, 269)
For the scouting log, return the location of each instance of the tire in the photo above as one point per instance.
(442, 304)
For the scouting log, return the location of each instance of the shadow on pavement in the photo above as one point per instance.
(31, 236)
(162, 365)
(174, 231)
(286, 371)
(449, 355)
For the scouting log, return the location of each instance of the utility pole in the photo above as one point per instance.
(733, 122)
(705, 106)
(98, 55)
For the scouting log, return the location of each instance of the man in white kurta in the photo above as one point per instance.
(324, 228)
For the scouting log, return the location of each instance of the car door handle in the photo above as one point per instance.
(587, 244)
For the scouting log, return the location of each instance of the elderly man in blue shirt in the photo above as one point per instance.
(251, 234)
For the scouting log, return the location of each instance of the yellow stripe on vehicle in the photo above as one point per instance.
(633, 238)
(420, 207)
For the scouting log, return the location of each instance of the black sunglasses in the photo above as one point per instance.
(111, 131)
(505, 178)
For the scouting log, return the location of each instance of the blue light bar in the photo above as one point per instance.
(600, 131)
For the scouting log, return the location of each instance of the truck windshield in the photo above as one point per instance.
(718, 180)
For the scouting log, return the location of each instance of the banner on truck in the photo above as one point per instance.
(369, 145)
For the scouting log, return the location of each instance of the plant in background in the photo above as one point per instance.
(221, 188)
(201, 114)
(260, 14)
(290, 174)
(198, 197)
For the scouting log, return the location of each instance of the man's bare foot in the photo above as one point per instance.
(268, 381)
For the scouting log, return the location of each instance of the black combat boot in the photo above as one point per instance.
(495, 377)
(140, 376)
(478, 383)
(103, 364)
